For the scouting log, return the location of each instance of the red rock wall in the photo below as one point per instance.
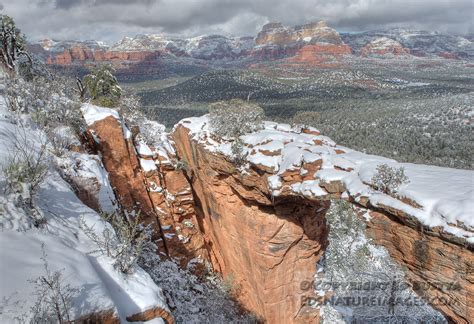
(441, 272)
(265, 247)
(80, 55)
(265, 250)
(319, 55)
(169, 211)
(242, 227)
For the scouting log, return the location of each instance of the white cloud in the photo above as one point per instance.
(111, 19)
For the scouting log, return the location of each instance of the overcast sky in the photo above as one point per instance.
(110, 20)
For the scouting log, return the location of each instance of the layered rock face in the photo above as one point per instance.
(144, 180)
(320, 55)
(262, 225)
(79, 55)
(277, 34)
(310, 44)
(384, 46)
(266, 249)
(300, 172)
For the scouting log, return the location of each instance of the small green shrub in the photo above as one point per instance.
(102, 86)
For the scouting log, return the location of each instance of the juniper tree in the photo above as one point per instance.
(13, 44)
(102, 86)
(388, 179)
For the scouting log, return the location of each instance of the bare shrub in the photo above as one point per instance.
(124, 242)
(388, 179)
(130, 109)
(50, 102)
(54, 298)
(235, 117)
(238, 155)
(27, 164)
(60, 144)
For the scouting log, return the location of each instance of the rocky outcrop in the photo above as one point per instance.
(249, 218)
(265, 249)
(320, 55)
(384, 46)
(263, 228)
(144, 180)
(440, 271)
(277, 34)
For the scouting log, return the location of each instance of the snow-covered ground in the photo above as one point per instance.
(443, 197)
(100, 287)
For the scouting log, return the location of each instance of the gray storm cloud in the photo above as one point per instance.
(112, 19)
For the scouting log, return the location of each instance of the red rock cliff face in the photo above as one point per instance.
(319, 54)
(432, 262)
(266, 249)
(311, 43)
(269, 245)
(81, 55)
(162, 196)
(266, 246)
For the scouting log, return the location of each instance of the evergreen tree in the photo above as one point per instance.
(102, 86)
(13, 44)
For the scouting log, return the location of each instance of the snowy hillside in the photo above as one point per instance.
(420, 43)
(204, 47)
(96, 287)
